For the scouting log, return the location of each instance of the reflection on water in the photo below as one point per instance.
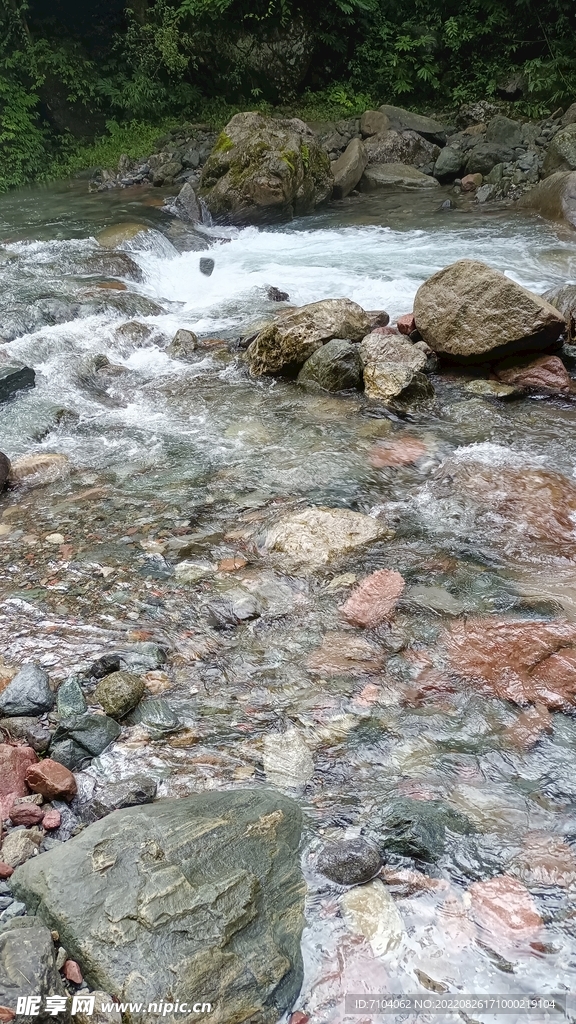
(189, 462)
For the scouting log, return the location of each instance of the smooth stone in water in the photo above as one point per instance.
(316, 536)
(350, 861)
(369, 910)
(417, 828)
(119, 693)
(156, 716)
(210, 882)
(334, 367)
(183, 344)
(287, 759)
(28, 693)
(115, 235)
(206, 265)
(131, 792)
(40, 469)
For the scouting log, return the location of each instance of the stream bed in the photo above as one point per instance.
(189, 462)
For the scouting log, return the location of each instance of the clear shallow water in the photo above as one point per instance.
(191, 461)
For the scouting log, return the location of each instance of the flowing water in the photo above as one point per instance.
(189, 461)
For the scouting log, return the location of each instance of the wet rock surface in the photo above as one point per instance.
(234, 852)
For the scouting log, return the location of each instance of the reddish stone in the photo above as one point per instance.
(52, 819)
(26, 814)
(232, 564)
(503, 907)
(72, 972)
(345, 654)
(470, 182)
(14, 764)
(406, 324)
(528, 662)
(299, 1018)
(6, 1014)
(545, 860)
(51, 779)
(529, 727)
(374, 600)
(400, 451)
(547, 373)
(5, 870)
(386, 331)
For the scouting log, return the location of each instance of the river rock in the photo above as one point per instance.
(346, 655)
(70, 699)
(28, 693)
(130, 792)
(504, 909)
(14, 379)
(28, 965)
(503, 131)
(156, 716)
(27, 729)
(183, 344)
(417, 828)
(349, 168)
(51, 779)
(21, 844)
(374, 600)
(547, 373)
(405, 120)
(392, 147)
(262, 169)
(117, 234)
(469, 310)
(561, 152)
(119, 692)
(491, 389)
(4, 470)
(317, 536)
(393, 175)
(484, 156)
(554, 198)
(186, 205)
(374, 122)
(389, 365)
(350, 861)
(564, 300)
(81, 737)
(38, 470)
(26, 814)
(449, 163)
(289, 341)
(335, 366)
(14, 763)
(201, 885)
(399, 451)
(520, 660)
(287, 759)
(370, 911)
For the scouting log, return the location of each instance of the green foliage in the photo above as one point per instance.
(204, 60)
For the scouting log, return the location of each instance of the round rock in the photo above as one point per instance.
(350, 861)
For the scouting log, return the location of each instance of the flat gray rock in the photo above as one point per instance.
(394, 176)
(28, 693)
(201, 897)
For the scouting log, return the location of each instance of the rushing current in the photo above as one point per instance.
(187, 461)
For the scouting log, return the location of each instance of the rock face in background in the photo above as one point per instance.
(553, 198)
(261, 169)
(469, 310)
(201, 897)
(286, 344)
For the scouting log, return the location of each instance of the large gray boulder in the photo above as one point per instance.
(349, 168)
(503, 131)
(449, 163)
(405, 120)
(28, 966)
(261, 169)
(394, 147)
(286, 344)
(334, 367)
(468, 310)
(554, 198)
(377, 176)
(486, 155)
(561, 153)
(199, 898)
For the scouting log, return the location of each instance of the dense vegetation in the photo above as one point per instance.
(114, 72)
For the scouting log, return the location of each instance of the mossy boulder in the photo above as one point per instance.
(262, 169)
(334, 367)
(119, 693)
